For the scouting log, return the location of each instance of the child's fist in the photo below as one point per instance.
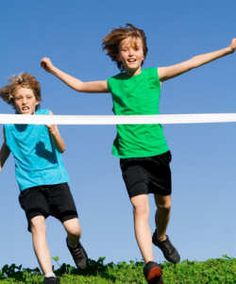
(233, 44)
(46, 64)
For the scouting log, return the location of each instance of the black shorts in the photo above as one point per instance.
(147, 175)
(48, 200)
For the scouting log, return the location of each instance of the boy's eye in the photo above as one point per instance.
(17, 98)
(136, 47)
(29, 97)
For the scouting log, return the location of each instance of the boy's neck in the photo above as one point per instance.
(132, 73)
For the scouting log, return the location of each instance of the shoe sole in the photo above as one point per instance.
(154, 276)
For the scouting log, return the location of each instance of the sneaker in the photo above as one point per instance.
(169, 251)
(51, 280)
(152, 273)
(79, 255)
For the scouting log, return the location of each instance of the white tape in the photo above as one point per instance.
(117, 119)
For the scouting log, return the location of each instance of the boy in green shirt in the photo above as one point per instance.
(142, 149)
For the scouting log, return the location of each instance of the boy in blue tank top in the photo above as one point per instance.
(142, 149)
(40, 173)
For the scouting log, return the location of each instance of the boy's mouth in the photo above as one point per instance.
(25, 108)
(131, 60)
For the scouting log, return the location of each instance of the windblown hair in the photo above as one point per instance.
(23, 80)
(111, 42)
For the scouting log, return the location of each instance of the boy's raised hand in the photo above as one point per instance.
(46, 64)
(233, 44)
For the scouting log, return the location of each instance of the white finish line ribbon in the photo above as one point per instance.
(117, 119)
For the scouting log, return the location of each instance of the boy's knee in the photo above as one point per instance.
(141, 209)
(73, 227)
(164, 206)
(37, 223)
(75, 231)
(164, 202)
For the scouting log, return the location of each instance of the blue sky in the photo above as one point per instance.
(202, 225)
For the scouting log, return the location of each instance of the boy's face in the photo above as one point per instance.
(25, 101)
(131, 54)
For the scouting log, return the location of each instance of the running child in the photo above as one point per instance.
(40, 173)
(143, 151)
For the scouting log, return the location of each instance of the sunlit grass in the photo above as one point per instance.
(212, 271)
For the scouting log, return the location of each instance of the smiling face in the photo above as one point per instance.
(25, 101)
(131, 54)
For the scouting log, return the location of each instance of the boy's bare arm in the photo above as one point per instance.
(74, 83)
(55, 133)
(169, 72)
(4, 154)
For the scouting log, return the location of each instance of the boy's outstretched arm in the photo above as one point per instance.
(74, 83)
(4, 154)
(169, 72)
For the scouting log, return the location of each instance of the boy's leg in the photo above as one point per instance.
(143, 236)
(136, 180)
(38, 229)
(159, 237)
(141, 225)
(33, 201)
(162, 216)
(72, 227)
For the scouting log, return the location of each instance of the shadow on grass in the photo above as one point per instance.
(94, 268)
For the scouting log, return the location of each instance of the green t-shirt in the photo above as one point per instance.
(137, 95)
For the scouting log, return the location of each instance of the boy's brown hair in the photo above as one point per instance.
(23, 80)
(111, 42)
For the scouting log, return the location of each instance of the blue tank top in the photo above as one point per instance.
(37, 159)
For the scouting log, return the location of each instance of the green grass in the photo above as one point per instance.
(212, 271)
